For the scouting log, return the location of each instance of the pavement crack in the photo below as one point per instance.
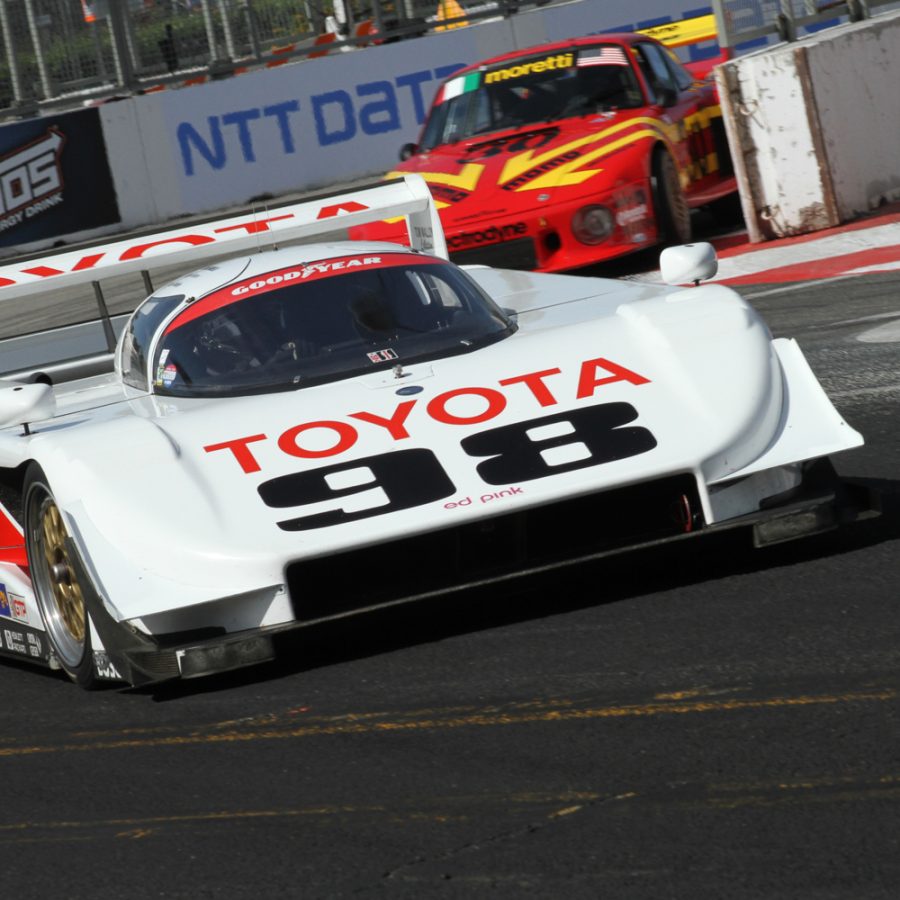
(508, 835)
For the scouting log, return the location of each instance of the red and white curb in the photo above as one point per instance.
(865, 247)
(855, 251)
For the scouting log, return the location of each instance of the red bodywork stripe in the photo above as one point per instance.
(12, 540)
(303, 272)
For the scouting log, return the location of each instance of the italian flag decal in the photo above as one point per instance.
(461, 85)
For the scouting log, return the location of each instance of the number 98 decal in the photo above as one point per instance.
(404, 479)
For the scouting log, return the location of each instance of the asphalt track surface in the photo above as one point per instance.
(704, 721)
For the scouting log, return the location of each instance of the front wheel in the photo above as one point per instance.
(673, 215)
(59, 592)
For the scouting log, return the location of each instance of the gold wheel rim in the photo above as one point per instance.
(67, 594)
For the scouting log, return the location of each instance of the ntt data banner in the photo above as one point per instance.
(297, 127)
(54, 178)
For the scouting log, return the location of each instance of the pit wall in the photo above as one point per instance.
(269, 132)
(813, 127)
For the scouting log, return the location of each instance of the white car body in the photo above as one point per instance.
(605, 395)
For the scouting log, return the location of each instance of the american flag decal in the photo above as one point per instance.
(602, 56)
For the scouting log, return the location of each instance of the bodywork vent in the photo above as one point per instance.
(494, 549)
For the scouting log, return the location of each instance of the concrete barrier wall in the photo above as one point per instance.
(272, 131)
(814, 128)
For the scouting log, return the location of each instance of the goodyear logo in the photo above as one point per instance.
(547, 64)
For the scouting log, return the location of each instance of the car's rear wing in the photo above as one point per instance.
(71, 351)
(687, 32)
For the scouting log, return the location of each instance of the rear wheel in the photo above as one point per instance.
(673, 214)
(57, 587)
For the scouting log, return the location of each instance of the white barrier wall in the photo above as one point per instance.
(813, 126)
(312, 124)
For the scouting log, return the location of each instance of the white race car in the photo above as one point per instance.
(297, 434)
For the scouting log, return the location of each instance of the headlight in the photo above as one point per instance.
(592, 224)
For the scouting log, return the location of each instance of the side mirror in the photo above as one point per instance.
(688, 263)
(408, 150)
(24, 403)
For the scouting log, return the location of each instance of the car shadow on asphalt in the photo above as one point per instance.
(666, 567)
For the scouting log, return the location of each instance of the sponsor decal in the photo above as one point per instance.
(54, 178)
(378, 356)
(304, 273)
(502, 457)
(271, 281)
(34, 646)
(31, 179)
(196, 236)
(492, 235)
(485, 498)
(23, 641)
(19, 609)
(104, 666)
(5, 608)
(509, 454)
(282, 131)
(633, 215)
(464, 406)
(15, 641)
(519, 70)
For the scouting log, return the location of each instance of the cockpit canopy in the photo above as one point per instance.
(308, 323)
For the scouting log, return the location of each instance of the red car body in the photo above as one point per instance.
(570, 153)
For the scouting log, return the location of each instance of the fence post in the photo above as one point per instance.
(124, 67)
(46, 86)
(130, 40)
(784, 22)
(252, 30)
(11, 58)
(210, 33)
(723, 32)
(226, 28)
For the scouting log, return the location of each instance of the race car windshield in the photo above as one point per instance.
(334, 319)
(533, 90)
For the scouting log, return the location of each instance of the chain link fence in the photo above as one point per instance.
(72, 51)
(746, 23)
(54, 50)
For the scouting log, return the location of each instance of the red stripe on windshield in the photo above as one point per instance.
(299, 274)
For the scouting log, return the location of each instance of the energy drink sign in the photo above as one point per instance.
(54, 178)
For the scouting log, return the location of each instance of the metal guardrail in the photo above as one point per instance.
(748, 22)
(58, 51)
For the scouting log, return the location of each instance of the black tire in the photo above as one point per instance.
(673, 215)
(57, 587)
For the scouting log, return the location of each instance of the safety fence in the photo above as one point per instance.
(59, 50)
(742, 24)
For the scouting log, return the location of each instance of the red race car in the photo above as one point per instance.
(570, 153)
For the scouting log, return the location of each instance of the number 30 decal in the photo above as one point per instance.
(404, 479)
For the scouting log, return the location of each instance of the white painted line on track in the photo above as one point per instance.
(865, 392)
